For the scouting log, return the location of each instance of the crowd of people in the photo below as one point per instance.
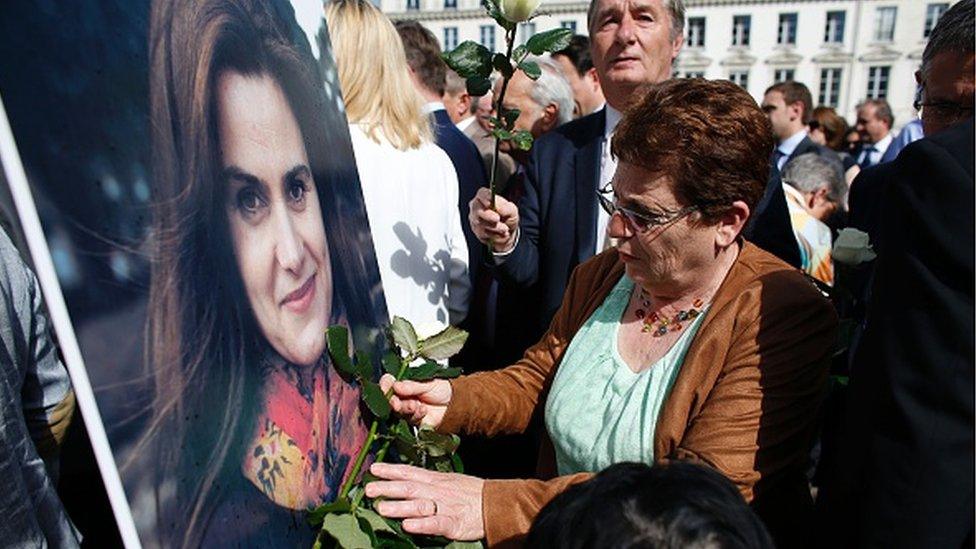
(653, 299)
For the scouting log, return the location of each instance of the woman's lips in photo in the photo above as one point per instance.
(299, 300)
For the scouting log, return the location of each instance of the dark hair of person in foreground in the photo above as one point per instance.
(631, 505)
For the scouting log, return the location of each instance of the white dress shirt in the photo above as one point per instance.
(411, 200)
(608, 165)
(787, 146)
(875, 150)
(463, 125)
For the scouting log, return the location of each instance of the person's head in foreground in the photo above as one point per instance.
(243, 286)
(631, 505)
(685, 190)
(946, 77)
(819, 180)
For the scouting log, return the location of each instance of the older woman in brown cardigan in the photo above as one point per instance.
(737, 339)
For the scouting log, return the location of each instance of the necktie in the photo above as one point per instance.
(778, 155)
(866, 161)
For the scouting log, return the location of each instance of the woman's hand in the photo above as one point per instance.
(419, 402)
(432, 503)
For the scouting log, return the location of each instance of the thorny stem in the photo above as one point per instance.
(370, 439)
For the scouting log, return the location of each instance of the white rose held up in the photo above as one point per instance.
(517, 11)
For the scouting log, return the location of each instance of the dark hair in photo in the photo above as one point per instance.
(203, 341)
(833, 125)
(631, 505)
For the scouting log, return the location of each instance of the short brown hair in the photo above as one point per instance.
(833, 125)
(423, 55)
(708, 136)
(795, 92)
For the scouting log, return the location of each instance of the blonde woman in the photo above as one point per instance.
(409, 184)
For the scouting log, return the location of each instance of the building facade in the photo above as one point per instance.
(844, 50)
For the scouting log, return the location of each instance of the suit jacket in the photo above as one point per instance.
(907, 479)
(744, 401)
(486, 147)
(471, 177)
(769, 226)
(557, 218)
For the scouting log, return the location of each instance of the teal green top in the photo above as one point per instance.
(599, 412)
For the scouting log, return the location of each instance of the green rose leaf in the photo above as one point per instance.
(364, 367)
(447, 373)
(404, 335)
(502, 134)
(391, 363)
(345, 529)
(438, 444)
(549, 41)
(375, 521)
(519, 53)
(458, 464)
(469, 59)
(478, 85)
(502, 64)
(375, 400)
(444, 344)
(510, 116)
(522, 139)
(337, 338)
(316, 515)
(531, 69)
(424, 372)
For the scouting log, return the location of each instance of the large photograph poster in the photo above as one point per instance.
(191, 166)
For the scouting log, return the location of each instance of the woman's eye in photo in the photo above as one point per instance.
(249, 200)
(296, 190)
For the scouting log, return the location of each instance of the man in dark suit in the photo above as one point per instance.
(788, 105)
(906, 476)
(428, 73)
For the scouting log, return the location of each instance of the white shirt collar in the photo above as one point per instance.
(463, 125)
(613, 118)
(882, 145)
(433, 106)
(793, 193)
(790, 144)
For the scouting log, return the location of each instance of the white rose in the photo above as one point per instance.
(517, 11)
(852, 247)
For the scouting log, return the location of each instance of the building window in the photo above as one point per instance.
(450, 38)
(740, 78)
(413, 5)
(878, 82)
(783, 75)
(829, 87)
(571, 25)
(932, 14)
(884, 24)
(526, 31)
(787, 29)
(834, 31)
(740, 30)
(488, 37)
(694, 74)
(696, 32)
(450, 4)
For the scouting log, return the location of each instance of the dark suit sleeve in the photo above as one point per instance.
(521, 267)
(770, 228)
(912, 384)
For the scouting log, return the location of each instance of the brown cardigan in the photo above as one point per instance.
(745, 401)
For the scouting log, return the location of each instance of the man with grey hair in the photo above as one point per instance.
(543, 104)
(814, 186)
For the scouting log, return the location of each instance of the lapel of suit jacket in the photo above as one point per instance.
(586, 179)
(803, 147)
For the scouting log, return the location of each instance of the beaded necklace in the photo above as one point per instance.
(659, 325)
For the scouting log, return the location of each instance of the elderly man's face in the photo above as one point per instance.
(948, 91)
(631, 45)
(532, 117)
(871, 128)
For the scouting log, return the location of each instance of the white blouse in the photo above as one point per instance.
(412, 203)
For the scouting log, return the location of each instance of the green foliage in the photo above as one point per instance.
(469, 59)
(531, 69)
(502, 65)
(549, 41)
(522, 139)
(348, 522)
(510, 116)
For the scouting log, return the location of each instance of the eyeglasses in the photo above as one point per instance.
(638, 221)
(945, 110)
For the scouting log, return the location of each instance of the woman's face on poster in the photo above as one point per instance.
(274, 216)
